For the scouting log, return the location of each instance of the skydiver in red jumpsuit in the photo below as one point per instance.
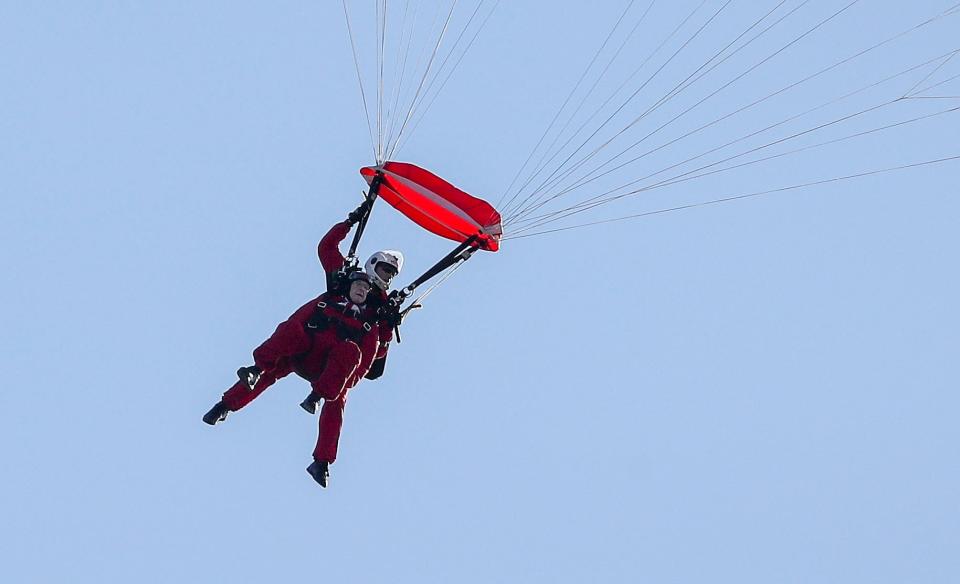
(332, 341)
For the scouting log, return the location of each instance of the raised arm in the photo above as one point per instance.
(329, 248)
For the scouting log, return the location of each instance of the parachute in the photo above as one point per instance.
(436, 205)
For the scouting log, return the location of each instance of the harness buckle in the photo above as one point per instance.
(321, 304)
(367, 327)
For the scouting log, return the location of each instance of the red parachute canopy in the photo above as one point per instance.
(437, 205)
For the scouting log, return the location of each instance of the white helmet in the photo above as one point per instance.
(390, 259)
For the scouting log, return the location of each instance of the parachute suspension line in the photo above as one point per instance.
(944, 82)
(403, 53)
(395, 144)
(449, 264)
(429, 291)
(400, 107)
(822, 71)
(934, 86)
(398, 144)
(946, 13)
(743, 196)
(930, 74)
(587, 178)
(363, 93)
(417, 116)
(511, 206)
(594, 86)
(543, 197)
(686, 176)
(381, 39)
(427, 70)
(421, 65)
(568, 98)
(379, 76)
(460, 254)
(726, 85)
(564, 163)
(715, 149)
(544, 190)
(663, 43)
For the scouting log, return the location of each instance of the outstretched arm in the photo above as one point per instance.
(329, 248)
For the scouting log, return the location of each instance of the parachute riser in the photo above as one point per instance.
(461, 253)
(362, 224)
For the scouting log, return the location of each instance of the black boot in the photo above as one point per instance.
(320, 471)
(249, 375)
(217, 413)
(310, 403)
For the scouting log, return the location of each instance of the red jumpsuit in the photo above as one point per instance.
(321, 355)
(331, 363)
(331, 414)
(332, 261)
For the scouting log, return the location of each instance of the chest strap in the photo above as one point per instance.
(323, 319)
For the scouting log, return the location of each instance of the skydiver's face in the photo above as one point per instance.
(385, 271)
(358, 291)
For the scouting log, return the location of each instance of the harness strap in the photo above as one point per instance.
(326, 316)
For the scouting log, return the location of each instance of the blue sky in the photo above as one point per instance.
(756, 391)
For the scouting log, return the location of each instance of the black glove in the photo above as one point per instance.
(391, 315)
(394, 316)
(359, 213)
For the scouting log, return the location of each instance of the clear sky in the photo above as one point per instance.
(760, 391)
